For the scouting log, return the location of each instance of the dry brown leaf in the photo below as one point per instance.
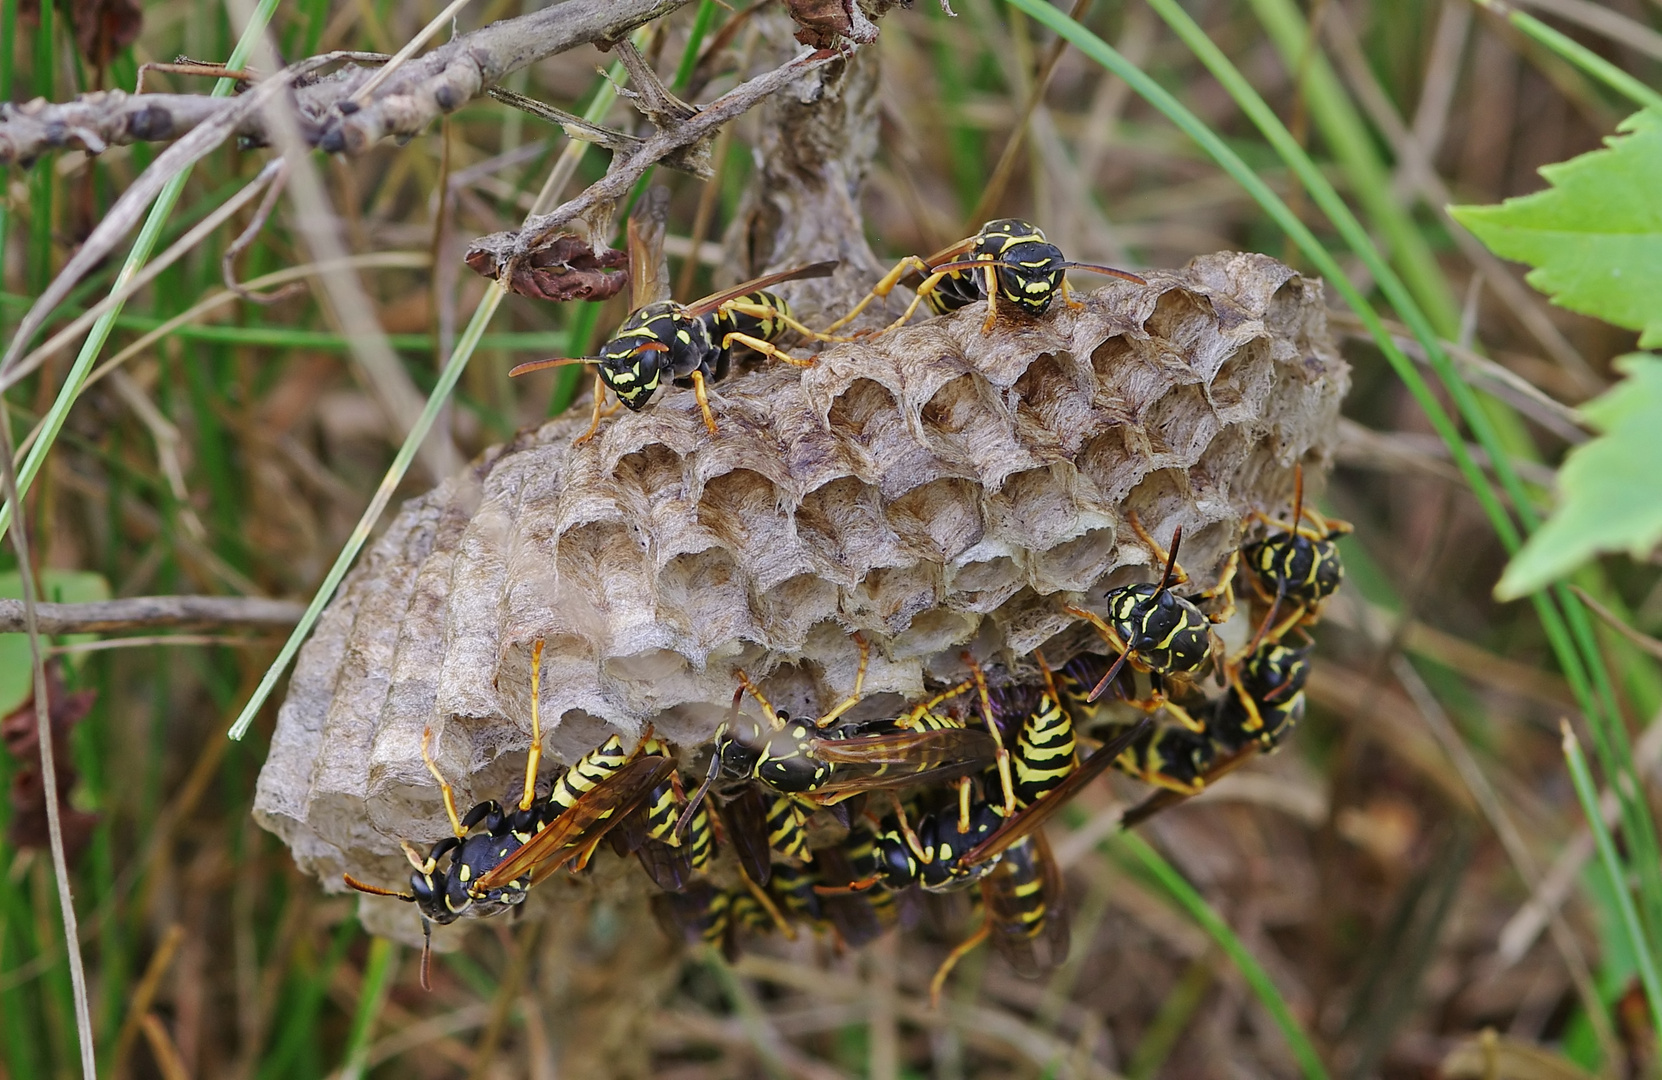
(20, 733)
(565, 269)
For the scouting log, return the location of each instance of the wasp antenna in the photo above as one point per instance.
(1109, 271)
(373, 890)
(1269, 618)
(1171, 560)
(560, 361)
(1102, 686)
(426, 954)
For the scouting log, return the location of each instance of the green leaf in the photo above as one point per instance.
(57, 587)
(1595, 236)
(1610, 488)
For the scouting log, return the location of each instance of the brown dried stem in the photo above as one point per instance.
(152, 612)
(503, 247)
(416, 94)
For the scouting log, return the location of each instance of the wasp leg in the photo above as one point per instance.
(1160, 553)
(963, 805)
(909, 265)
(534, 757)
(756, 692)
(992, 300)
(704, 402)
(769, 314)
(766, 348)
(1181, 715)
(444, 785)
(859, 685)
(769, 906)
(963, 949)
(1224, 588)
(905, 827)
(1005, 782)
(1108, 633)
(594, 420)
(1067, 298)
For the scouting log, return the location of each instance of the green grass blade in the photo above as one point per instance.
(379, 969)
(1587, 793)
(1579, 55)
(1343, 129)
(148, 235)
(1268, 994)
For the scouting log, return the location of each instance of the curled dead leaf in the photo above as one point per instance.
(823, 21)
(20, 734)
(565, 269)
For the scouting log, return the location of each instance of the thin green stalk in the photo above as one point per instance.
(689, 56)
(1587, 793)
(1569, 634)
(372, 998)
(1579, 55)
(1344, 130)
(1269, 995)
(136, 258)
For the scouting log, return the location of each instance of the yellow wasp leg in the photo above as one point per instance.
(1005, 783)
(1067, 297)
(766, 348)
(594, 421)
(444, 785)
(992, 300)
(761, 311)
(964, 948)
(910, 264)
(859, 684)
(756, 692)
(1108, 633)
(704, 402)
(534, 758)
(1159, 551)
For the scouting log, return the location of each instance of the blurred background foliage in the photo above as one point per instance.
(1389, 885)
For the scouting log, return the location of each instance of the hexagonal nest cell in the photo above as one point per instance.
(936, 489)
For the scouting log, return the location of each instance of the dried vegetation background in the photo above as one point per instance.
(1397, 869)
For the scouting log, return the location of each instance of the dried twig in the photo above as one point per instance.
(417, 93)
(152, 612)
(504, 247)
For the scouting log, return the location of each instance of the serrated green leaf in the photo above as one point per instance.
(1595, 236)
(1610, 488)
(57, 587)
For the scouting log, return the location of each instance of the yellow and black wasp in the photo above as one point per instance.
(662, 341)
(819, 763)
(490, 871)
(1024, 914)
(1155, 630)
(1265, 699)
(1297, 564)
(1009, 261)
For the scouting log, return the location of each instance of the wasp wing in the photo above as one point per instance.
(648, 265)
(766, 281)
(951, 251)
(744, 815)
(594, 815)
(1030, 818)
(924, 748)
(1027, 917)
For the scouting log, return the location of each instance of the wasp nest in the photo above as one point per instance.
(937, 489)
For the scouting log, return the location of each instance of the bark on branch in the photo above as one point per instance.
(416, 94)
(154, 612)
(596, 202)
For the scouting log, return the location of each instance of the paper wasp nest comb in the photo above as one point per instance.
(931, 488)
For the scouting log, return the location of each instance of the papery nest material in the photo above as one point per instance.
(935, 489)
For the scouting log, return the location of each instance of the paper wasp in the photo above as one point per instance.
(1157, 631)
(823, 764)
(1296, 564)
(1024, 914)
(490, 871)
(1007, 261)
(662, 341)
